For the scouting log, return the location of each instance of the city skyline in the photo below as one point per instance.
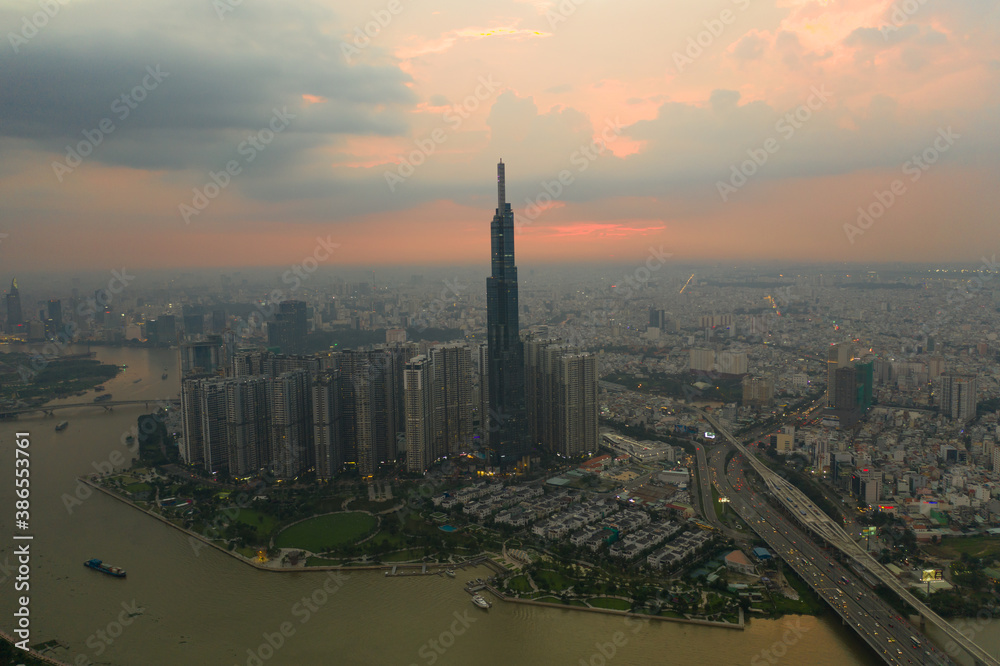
(723, 365)
(748, 122)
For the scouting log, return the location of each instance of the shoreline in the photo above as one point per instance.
(741, 626)
(477, 561)
(31, 652)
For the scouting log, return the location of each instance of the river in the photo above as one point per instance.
(199, 606)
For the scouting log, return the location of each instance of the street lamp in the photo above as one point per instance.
(724, 501)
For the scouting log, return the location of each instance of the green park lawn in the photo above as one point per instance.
(550, 580)
(613, 604)
(263, 522)
(324, 533)
(519, 584)
(408, 555)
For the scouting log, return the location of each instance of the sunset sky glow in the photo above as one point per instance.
(650, 113)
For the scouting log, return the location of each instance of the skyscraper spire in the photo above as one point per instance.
(501, 187)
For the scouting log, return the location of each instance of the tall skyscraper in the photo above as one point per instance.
(452, 382)
(14, 317)
(289, 395)
(481, 388)
(537, 387)
(369, 399)
(192, 445)
(327, 425)
(561, 385)
(505, 375)
(419, 399)
(247, 421)
(576, 404)
(958, 396)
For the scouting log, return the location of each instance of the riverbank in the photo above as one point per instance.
(431, 569)
(30, 657)
(741, 625)
(441, 567)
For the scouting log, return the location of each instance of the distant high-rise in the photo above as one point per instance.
(732, 363)
(203, 357)
(839, 355)
(292, 337)
(849, 384)
(194, 324)
(164, 330)
(54, 321)
(758, 391)
(249, 362)
(15, 320)
(507, 422)
(218, 321)
(701, 360)
(958, 396)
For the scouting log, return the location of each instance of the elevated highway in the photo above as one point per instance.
(878, 624)
(811, 517)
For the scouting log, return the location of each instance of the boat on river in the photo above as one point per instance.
(98, 565)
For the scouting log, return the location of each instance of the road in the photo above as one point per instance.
(811, 517)
(881, 626)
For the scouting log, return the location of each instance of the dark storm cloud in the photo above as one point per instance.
(215, 80)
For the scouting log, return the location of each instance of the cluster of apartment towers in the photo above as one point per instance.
(250, 411)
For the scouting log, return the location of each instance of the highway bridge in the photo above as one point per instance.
(811, 517)
(106, 405)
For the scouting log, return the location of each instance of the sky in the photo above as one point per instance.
(219, 133)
